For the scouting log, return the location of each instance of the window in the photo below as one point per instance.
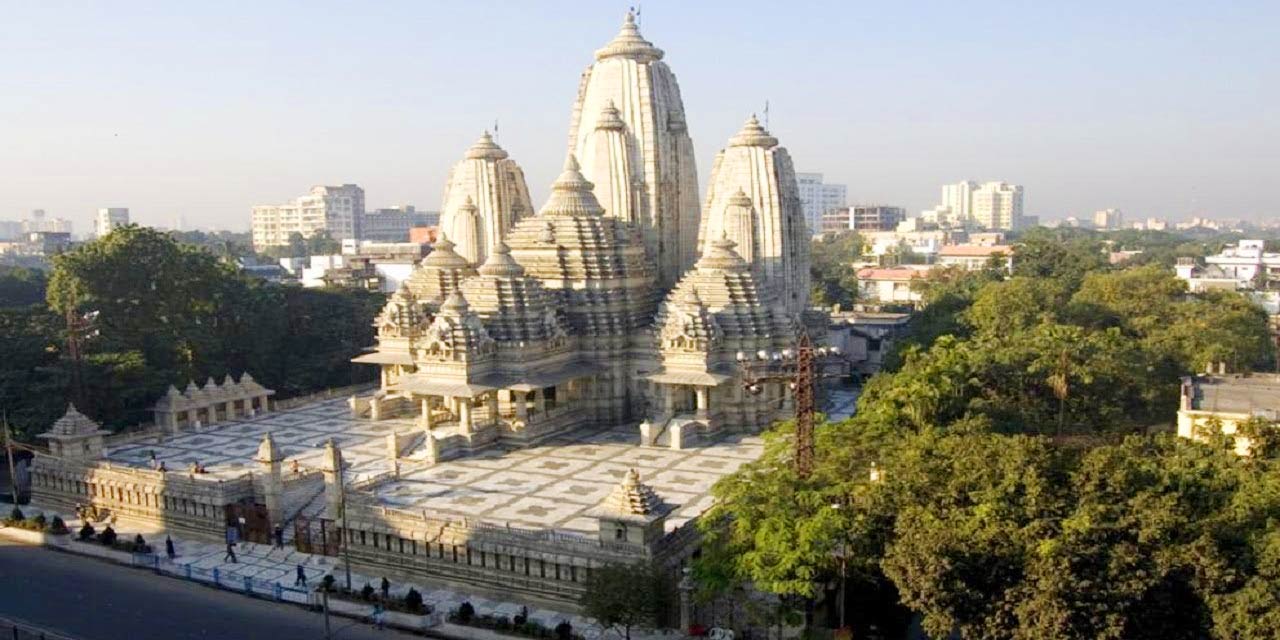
(620, 533)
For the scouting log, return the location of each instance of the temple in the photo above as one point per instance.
(557, 389)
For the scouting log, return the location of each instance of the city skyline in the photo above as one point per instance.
(140, 107)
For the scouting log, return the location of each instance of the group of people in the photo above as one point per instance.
(159, 465)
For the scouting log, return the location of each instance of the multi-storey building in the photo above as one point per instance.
(868, 217)
(990, 205)
(39, 223)
(1107, 219)
(997, 205)
(109, 218)
(336, 210)
(393, 224)
(817, 198)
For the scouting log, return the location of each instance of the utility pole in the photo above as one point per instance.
(324, 597)
(73, 350)
(8, 448)
(799, 370)
(805, 406)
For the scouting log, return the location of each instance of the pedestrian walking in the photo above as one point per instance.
(376, 616)
(279, 537)
(301, 580)
(231, 553)
(386, 589)
(168, 547)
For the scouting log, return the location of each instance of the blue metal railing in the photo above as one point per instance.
(228, 580)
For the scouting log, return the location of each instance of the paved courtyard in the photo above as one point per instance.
(227, 448)
(552, 485)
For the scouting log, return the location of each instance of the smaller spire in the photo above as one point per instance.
(486, 149)
(610, 118)
(721, 256)
(500, 263)
(268, 451)
(455, 304)
(753, 135)
(548, 235)
(633, 498)
(571, 193)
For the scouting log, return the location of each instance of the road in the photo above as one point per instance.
(94, 600)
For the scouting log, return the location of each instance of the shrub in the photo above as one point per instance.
(57, 526)
(413, 601)
(564, 630)
(521, 618)
(86, 532)
(466, 612)
(16, 515)
(108, 536)
(327, 582)
(40, 521)
(140, 545)
(366, 593)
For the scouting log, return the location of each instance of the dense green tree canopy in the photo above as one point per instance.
(161, 312)
(835, 281)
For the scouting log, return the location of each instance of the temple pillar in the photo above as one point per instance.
(269, 457)
(426, 412)
(700, 393)
(540, 402)
(464, 415)
(493, 407)
(384, 377)
(522, 406)
(331, 465)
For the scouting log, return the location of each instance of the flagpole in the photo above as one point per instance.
(8, 448)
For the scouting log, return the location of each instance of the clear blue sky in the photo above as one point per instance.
(203, 109)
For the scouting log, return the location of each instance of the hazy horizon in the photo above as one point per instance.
(201, 111)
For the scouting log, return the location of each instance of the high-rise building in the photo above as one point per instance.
(863, 217)
(818, 197)
(990, 205)
(337, 210)
(1108, 219)
(109, 218)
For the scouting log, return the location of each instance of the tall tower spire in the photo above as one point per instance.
(628, 129)
(754, 183)
(488, 184)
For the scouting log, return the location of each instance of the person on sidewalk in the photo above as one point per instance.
(168, 548)
(231, 553)
(301, 580)
(279, 535)
(376, 617)
(386, 589)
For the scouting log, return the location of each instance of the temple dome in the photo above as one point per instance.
(740, 305)
(753, 135)
(515, 308)
(456, 333)
(596, 264)
(571, 194)
(629, 44)
(486, 149)
(440, 273)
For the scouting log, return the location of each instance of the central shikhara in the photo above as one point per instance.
(559, 389)
(620, 301)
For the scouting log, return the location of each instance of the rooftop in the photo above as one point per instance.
(973, 250)
(1256, 393)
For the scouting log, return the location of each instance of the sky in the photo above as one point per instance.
(197, 111)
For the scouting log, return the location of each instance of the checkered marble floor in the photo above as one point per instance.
(227, 448)
(554, 485)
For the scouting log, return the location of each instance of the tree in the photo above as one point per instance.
(835, 280)
(622, 597)
(20, 286)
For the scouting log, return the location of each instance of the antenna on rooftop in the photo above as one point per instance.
(766, 114)
(636, 11)
(495, 132)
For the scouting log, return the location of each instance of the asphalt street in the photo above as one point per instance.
(93, 600)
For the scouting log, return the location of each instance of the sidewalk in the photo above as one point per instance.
(266, 567)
